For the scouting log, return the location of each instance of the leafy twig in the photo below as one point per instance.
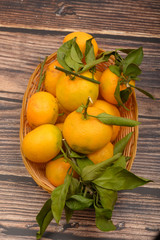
(96, 188)
(76, 74)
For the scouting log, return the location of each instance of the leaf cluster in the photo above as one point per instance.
(74, 64)
(126, 68)
(98, 185)
(96, 188)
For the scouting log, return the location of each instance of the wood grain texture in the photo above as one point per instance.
(29, 31)
(133, 17)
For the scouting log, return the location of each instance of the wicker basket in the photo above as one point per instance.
(37, 171)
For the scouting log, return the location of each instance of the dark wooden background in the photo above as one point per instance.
(32, 29)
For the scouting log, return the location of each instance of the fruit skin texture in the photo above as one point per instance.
(42, 109)
(108, 84)
(56, 171)
(81, 39)
(72, 93)
(52, 76)
(98, 75)
(63, 113)
(60, 126)
(102, 154)
(86, 135)
(42, 143)
(110, 109)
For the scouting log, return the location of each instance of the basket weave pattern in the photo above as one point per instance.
(37, 171)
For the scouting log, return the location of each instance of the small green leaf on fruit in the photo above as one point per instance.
(115, 69)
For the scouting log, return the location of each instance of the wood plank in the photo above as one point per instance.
(31, 47)
(138, 18)
(136, 214)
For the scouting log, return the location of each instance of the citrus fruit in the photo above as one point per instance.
(60, 126)
(72, 93)
(112, 110)
(51, 77)
(42, 108)
(62, 113)
(43, 143)
(81, 38)
(108, 84)
(86, 135)
(98, 75)
(56, 171)
(102, 154)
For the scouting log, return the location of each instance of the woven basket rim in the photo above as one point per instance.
(49, 187)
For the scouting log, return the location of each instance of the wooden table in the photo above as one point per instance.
(30, 30)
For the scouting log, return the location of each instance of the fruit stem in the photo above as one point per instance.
(70, 161)
(85, 114)
(87, 189)
(67, 147)
(76, 74)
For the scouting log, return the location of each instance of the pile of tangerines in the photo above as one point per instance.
(53, 116)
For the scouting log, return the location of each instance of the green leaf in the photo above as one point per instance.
(76, 53)
(71, 63)
(108, 197)
(89, 51)
(63, 51)
(127, 50)
(89, 173)
(58, 198)
(103, 58)
(91, 64)
(104, 224)
(76, 155)
(83, 162)
(136, 79)
(44, 218)
(117, 96)
(107, 54)
(132, 70)
(57, 157)
(124, 94)
(68, 213)
(113, 120)
(71, 153)
(89, 45)
(135, 57)
(73, 188)
(115, 69)
(103, 221)
(78, 202)
(144, 92)
(121, 144)
(73, 165)
(118, 178)
(103, 212)
(121, 162)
